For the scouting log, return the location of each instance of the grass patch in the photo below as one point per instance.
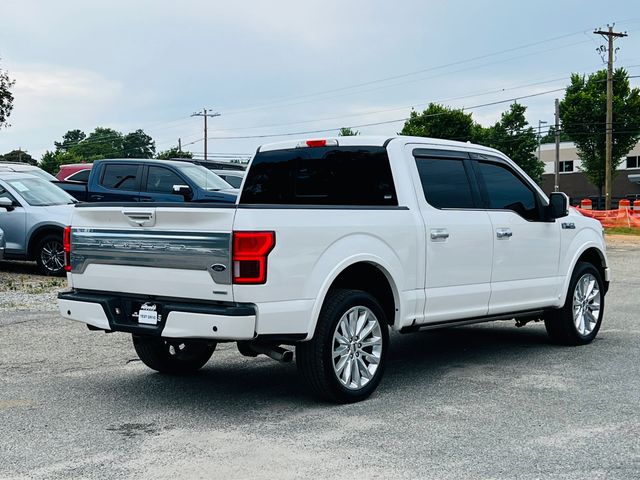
(622, 231)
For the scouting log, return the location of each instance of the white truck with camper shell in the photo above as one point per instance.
(332, 243)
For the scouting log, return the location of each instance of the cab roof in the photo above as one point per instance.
(373, 141)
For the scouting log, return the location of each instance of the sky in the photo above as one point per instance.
(290, 66)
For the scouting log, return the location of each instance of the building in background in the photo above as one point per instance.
(572, 181)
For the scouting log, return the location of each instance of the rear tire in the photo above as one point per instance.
(344, 361)
(49, 255)
(168, 356)
(579, 319)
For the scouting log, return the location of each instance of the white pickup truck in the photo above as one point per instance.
(331, 243)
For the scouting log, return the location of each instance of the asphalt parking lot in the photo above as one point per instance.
(490, 401)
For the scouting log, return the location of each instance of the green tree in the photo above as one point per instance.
(348, 132)
(583, 114)
(138, 145)
(51, 161)
(174, 153)
(439, 121)
(18, 156)
(6, 98)
(101, 143)
(514, 137)
(70, 140)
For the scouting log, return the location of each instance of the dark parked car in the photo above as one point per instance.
(133, 180)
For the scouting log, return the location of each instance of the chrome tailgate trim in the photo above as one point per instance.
(210, 251)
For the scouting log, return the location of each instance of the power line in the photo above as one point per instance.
(283, 105)
(417, 72)
(289, 134)
(404, 107)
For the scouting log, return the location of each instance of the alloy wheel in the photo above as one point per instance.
(586, 304)
(52, 256)
(357, 347)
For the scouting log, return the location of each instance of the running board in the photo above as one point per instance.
(521, 317)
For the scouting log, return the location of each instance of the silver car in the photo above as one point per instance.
(232, 177)
(26, 168)
(33, 214)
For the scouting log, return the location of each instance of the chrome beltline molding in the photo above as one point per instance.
(159, 249)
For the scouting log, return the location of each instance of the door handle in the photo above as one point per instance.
(97, 197)
(504, 233)
(439, 234)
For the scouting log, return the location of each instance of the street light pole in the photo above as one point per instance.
(540, 123)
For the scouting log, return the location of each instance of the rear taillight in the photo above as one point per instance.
(250, 251)
(66, 245)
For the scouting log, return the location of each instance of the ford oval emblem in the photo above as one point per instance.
(218, 267)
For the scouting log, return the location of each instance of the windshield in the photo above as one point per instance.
(38, 193)
(36, 172)
(204, 178)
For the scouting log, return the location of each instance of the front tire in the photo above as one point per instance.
(50, 255)
(168, 356)
(579, 320)
(344, 361)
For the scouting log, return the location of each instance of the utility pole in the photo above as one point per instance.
(204, 114)
(556, 168)
(179, 144)
(610, 35)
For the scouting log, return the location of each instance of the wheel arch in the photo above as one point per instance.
(362, 272)
(38, 233)
(592, 253)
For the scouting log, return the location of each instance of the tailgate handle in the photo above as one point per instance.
(142, 218)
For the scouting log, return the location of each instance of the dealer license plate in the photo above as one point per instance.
(148, 314)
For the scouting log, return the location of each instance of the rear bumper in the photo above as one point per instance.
(177, 318)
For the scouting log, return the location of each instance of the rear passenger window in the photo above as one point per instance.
(321, 176)
(82, 176)
(232, 180)
(445, 182)
(120, 177)
(506, 191)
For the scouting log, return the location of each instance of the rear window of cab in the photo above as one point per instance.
(348, 176)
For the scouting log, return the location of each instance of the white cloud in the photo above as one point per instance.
(50, 99)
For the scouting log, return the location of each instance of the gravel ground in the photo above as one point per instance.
(23, 289)
(479, 402)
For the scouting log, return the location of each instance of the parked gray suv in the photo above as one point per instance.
(33, 214)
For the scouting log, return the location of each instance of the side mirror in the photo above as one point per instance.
(558, 205)
(183, 190)
(6, 204)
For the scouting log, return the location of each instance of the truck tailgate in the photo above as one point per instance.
(173, 251)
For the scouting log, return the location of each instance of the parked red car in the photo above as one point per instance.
(74, 172)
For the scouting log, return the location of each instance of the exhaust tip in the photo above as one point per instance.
(287, 356)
